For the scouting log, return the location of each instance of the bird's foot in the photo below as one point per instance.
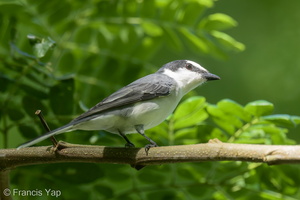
(148, 146)
(59, 146)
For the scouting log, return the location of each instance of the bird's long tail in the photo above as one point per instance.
(65, 128)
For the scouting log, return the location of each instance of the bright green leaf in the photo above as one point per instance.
(220, 118)
(188, 106)
(251, 141)
(226, 121)
(228, 41)
(259, 108)
(280, 120)
(263, 129)
(253, 132)
(218, 21)
(233, 108)
(296, 119)
(172, 39)
(41, 45)
(162, 129)
(193, 40)
(190, 113)
(186, 133)
(189, 141)
(191, 13)
(227, 127)
(152, 29)
(216, 133)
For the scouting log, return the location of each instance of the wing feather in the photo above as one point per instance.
(146, 88)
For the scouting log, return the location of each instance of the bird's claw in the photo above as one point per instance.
(148, 146)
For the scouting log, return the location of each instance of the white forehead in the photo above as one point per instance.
(196, 65)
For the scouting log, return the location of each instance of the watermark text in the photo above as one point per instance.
(32, 192)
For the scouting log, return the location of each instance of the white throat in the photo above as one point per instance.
(186, 80)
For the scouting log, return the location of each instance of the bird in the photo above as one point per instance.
(141, 105)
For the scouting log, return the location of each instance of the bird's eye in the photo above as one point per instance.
(189, 66)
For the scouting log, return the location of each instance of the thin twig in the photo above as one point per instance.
(43, 121)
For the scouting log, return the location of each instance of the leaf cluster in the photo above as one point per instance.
(195, 121)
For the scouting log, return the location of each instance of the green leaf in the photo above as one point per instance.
(215, 133)
(225, 115)
(27, 132)
(186, 133)
(188, 106)
(152, 29)
(191, 13)
(41, 45)
(169, 10)
(103, 191)
(233, 108)
(14, 113)
(34, 91)
(148, 9)
(218, 21)
(224, 125)
(61, 97)
(296, 119)
(4, 2)
(151, 176)
(172, 38)
(31, 104)
(193, 40)
(5, 81)
(281, 120)
(190, 112)
(228, 41)
(162, 129)
(81, 173)
(263, 129)
(252, 141)
(259, 108)
(223, 120)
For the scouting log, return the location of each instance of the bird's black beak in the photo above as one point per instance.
(211, 77)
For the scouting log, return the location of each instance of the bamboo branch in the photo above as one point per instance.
(136, 157)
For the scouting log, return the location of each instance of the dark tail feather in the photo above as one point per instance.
(57, 131)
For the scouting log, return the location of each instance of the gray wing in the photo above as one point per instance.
(148, 87)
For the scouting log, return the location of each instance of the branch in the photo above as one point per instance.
(4, 185)
(136, 157)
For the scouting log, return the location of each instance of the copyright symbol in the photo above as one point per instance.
(6, 192)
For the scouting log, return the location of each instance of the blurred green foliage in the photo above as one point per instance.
(64, 56)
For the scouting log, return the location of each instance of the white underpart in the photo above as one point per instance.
(186, 79)
(147, 113)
